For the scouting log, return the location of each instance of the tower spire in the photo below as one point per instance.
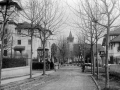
(70, 35)
(70, 38)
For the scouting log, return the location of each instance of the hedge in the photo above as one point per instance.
(14, 62)
(39, 65)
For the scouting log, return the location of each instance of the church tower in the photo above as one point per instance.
(70, 41)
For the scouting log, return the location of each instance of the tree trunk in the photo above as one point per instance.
(97, 51)
(106, 66)
(2, 47)
(44, 61)
(1, 58)
(97, 59)
(92, 54)
(31, 56)
(92, 60)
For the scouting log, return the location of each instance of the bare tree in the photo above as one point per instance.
(30, 14)
(63, 48)
(102, 13)
(82, 46)
(50, 19)
(86, 26)
(53, 51)
(106, 9)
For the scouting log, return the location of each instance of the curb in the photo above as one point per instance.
(98, 87)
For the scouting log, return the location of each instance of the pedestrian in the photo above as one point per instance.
(83, 67)
(55, 67)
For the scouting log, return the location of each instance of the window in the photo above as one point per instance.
(5, 41)
(111, 46)
(118, 49)
(29, 32)
(5, 52)
(19, 42)
(29, 42)
(19, 31)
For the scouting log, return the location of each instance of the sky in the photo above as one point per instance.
(70, 16)
(67, 4)
(67, 27)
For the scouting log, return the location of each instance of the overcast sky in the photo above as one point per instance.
(66, 4)
(69, 15)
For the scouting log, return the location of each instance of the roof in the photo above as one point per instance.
(10, 22)
(19, 48)
(23, 25)
(117, 39)
(26, 25)
(41, 49)
(115, 32)
(10, 2)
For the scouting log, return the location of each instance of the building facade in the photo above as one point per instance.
(17, 40)
(114, 46)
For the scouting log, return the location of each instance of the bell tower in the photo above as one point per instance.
(70, 40)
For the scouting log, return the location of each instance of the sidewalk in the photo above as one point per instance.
(35, 74)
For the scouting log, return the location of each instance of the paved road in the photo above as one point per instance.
(70, 78)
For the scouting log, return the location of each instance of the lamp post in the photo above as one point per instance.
(102, 54)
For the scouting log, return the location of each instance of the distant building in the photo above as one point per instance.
(70, 41)
(114, 46)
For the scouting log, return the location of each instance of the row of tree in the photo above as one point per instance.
(94, 19)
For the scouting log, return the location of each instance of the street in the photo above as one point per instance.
(68, 78)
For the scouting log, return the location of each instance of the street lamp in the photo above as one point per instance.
(102, 55)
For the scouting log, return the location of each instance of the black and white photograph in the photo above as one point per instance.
(59, 45)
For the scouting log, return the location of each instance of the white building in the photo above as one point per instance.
(114, 46)
(17, 40)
